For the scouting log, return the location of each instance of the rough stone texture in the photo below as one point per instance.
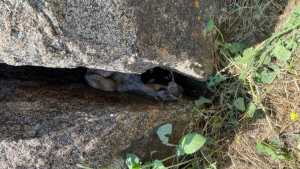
(51, 119)
(118, 35)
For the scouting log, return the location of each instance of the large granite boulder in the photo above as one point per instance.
(50, 118)
(118, 35)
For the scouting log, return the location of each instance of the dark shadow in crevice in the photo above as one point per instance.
(38, 73)
(192, 88)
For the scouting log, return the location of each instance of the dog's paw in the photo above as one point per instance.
(99, 82)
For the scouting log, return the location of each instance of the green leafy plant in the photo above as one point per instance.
(277, 46)
(239, 103)
(247, 76)
(210, 26)
(202, 100)
(275, 153)
(188, 144)
(214, 81)
(255, 63)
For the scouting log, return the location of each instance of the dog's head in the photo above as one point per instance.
(162, 82)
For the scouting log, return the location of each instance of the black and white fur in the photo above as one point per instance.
(156, 82)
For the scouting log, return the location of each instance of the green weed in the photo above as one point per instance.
(188, 144)
(242, 86)
(274, 150)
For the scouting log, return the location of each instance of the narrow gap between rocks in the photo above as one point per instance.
(192, 87)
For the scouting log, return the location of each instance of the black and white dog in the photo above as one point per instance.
(156, 82)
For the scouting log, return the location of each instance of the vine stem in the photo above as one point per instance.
(276, 35)
(289, 125)
(165, 159)
(179, 164)
(176, 165)
(219, 33)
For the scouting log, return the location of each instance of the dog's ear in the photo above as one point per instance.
(146, 77)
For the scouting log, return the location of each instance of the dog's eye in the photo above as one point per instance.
(167, 77)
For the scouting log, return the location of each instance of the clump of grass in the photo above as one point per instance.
(249, 21)
(253, 119)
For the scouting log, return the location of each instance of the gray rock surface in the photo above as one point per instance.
(51, 119)
(58, 121)
(118, 35)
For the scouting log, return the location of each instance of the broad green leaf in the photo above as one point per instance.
(158, 165)
(233, 121)
(210, 25)
(162, 131)
(248, 56)
(281, 157)
(190, 143)
(267, 60)
(226, 45)
(252, 69)
(251, 109)
(229, 105)
(273, 157)
(179, 151)
(239, 104)
(224, 9)
(214, 81)
(82, 166)
(257, 114)
(237, 48)
(222, 52)
(287, 156)
(274, 67)
(264, 75)
(281, 53)
(264, 149)
(276, 143)
(291, 45)
(296, 11)
(267, 150)
(201, 101)
(132, 161)
(280, 76)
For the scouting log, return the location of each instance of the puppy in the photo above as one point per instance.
(156, 82)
